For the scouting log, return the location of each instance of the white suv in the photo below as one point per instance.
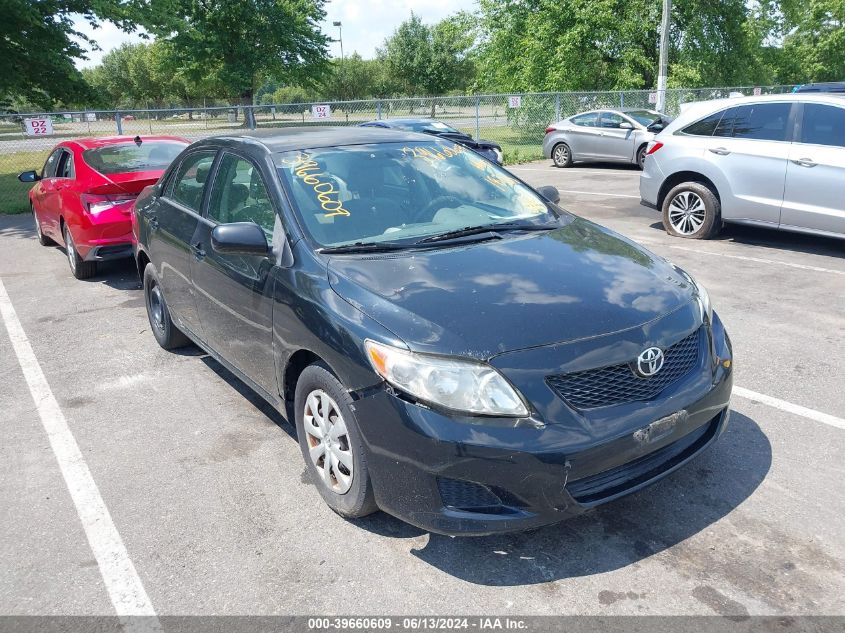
(776, 161)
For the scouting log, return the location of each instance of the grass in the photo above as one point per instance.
(13, 197)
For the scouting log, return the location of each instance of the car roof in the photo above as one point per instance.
(294, 138)
(103, 141)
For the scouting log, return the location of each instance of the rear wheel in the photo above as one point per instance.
(42, 239)
(165, 331)
(78, 266)
(331, 443)
(562, 155)
(693, 211)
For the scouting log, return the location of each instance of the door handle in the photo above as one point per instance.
(721, 151)
(804, 162)
(198, 251)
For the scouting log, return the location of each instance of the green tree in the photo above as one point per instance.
(429, 60)
(349, 79)
(814, 40)
(39, 44)
(237, 44)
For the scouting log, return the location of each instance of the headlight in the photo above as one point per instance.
(456, 384)
(701, 295)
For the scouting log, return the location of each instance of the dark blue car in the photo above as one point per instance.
(489, 149)
(453, 347)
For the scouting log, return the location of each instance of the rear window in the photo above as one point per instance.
(129, 157)
(705, 126)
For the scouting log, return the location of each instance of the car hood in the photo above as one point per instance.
(485, 298)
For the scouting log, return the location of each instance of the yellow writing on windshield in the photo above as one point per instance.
(433, 154)
(311, 173)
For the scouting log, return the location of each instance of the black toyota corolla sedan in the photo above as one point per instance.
(491, 150)
(453, 347)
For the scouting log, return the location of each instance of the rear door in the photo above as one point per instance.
(173, 223)
(615, 143)
(814, 196)
(234, 293)
(583, 135)
(749, 150)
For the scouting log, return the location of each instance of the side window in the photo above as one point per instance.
(726, 124)
(65, 166)
(189, 182)
(49, 170)
(591, 119)
(239, 195)
(762, 121)
(706, 126)
(611, 120)
(823, 125)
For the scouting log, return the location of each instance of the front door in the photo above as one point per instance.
(46, 198)
(172, 229)
(234, 293)
(616, 143)
(814, 197)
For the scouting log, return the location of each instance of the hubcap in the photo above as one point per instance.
(328, 441)
(71, 249)
(157, 308)
(561, 155)
(687, 212)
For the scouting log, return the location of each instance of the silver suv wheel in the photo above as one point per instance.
(687, 212)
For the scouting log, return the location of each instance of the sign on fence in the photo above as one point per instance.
(758, 91)
(321, 111)
(38, 127)
(652, 97)
(91, 117)
(515, 101)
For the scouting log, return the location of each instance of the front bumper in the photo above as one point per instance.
(463, 476)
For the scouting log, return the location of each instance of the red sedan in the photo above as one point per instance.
(83, 197)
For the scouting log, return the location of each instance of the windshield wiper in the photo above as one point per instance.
(365, 247)
(488, 228)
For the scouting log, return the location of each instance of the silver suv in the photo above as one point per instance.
(776, 161)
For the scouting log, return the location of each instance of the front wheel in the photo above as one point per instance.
(164, 330)
(78, 266)
(331, 443)
(562, 155)
(691, 210)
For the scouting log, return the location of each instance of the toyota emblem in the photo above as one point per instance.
(650, 361)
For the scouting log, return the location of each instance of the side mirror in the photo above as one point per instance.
(29, 176)
(625, 126)
(239, 238)
(550, 193)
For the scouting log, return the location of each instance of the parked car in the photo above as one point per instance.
(83, 196)
(452, 347)
(603, 135)
(489, 149)
(830, 86)
(775, 161)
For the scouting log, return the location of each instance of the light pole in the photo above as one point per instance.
(339, 26)
(663, 70)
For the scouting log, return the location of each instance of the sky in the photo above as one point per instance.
(366, 24)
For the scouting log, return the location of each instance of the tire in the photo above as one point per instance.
(692, 211)
(562, 155)
(641, 157)
(348, 492)
(42, 239)
(164, 330)
(78, 266)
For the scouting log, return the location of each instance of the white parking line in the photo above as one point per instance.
(760, 260)
(125, 589)
(783, 405)
(575, 171)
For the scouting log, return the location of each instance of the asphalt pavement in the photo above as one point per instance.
(204, 484)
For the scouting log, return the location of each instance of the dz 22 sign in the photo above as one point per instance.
(38, 127)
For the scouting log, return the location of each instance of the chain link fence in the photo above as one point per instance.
(515, 121)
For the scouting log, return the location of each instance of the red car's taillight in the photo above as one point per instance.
(656, 146)
(97, 203)
(550, 129)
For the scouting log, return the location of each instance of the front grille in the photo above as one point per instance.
(466, 495)
(618, 384)
(609, 483)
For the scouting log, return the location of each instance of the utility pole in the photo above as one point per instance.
(339, 26)
(663, 69)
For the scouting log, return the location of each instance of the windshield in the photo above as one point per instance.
(644, 117)
(402, 191)
(129, 157)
